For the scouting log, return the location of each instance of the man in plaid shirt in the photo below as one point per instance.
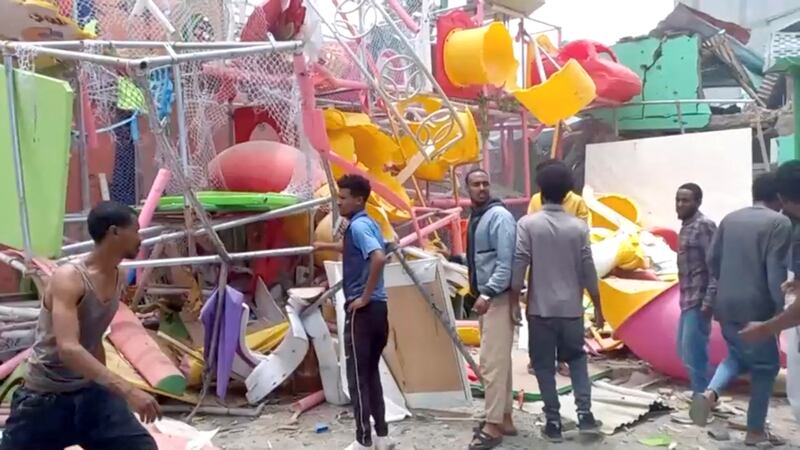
(698, 288)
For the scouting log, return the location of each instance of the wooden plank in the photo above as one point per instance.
(420, 353)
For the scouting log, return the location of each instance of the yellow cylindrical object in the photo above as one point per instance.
(323, 233)
(479, 56)
(622, 204)
(563, 95)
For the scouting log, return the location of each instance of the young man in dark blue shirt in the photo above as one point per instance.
(367, 322)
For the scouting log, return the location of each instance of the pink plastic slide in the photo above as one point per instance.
(651, 334)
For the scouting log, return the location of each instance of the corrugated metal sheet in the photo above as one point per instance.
(614, 406)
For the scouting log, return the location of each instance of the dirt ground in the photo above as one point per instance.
(427, 430)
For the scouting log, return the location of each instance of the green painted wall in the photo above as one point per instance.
(785, 148)
(670, 70)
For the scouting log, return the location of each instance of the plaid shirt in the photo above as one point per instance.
(696, 284)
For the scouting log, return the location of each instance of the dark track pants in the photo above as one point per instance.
(92, 417)
(365, 335)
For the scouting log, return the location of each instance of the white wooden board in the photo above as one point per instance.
(650, 171)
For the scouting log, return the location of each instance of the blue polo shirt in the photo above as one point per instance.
(363, 236)
(794, 258)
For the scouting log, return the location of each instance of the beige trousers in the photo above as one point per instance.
(497, 339)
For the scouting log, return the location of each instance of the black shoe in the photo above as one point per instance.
(552, 432)
(587, 424)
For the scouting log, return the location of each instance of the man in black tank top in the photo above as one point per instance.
(69, 396)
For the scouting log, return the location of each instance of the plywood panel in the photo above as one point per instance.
(420, 353)
(650, 171)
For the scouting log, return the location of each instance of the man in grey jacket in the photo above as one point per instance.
(748, 257)
(490, 248)
(555, 245)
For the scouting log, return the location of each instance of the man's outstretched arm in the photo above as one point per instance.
(65, 291)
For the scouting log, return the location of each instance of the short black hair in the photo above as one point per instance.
(474, 170)
(765, 188)
(697, 192)
(107, 214)
(788, 180)
(555, 181)
(356, 184)
(547, 162)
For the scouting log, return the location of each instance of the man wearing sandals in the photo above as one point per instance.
(490, 248)
(555, 245)
(748, 257)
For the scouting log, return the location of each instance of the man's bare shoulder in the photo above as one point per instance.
(66, 281)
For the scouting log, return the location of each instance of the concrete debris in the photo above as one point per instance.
(719, 434)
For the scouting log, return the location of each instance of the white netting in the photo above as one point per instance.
(192, 20)
(266, 84)
(117, 106)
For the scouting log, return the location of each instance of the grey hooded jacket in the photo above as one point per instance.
(490, 249)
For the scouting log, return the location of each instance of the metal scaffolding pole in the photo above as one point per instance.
(275, 214)
(88, 245)
(212, 259)
(83, 158)
(8, 61)
(153, 62)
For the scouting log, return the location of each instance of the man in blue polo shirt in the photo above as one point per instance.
(367, 321)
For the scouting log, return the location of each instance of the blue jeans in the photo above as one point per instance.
(693, 331)
(91, 417)
(761, 360)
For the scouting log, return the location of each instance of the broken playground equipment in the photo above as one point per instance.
(390, 116)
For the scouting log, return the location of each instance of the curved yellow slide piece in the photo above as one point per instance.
(621, 298)
(372, 147)
(485, 56)
(617, 250)
(607, 216)
(344, 145)
(394, 214)
(622, 205)
(561, 96)
(374, 210)
(630, 255)
(354, 137)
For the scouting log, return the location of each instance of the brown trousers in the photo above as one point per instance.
(497, 340)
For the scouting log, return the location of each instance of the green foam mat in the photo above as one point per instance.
(44, 123)
(231, 201)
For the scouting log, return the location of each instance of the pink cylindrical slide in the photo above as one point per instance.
(651, 333)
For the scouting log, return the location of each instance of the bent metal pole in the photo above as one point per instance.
(274, 214)
(8, 61)
(212, 259)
